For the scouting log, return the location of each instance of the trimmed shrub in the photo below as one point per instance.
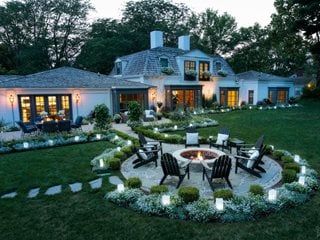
(277, 154)
(226, 194)
(135, 111)
(256, 189)
(288, 175)
(102, 117)
(189, 194)
(114, 163)
(127, 150)
(158, 189)
(133, 182)
(287, 159)
(294, 166)
(269, 149)
(121, 155)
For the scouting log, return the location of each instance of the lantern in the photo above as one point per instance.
(50, 142)
(101, 163)
(302, 180)
(175, 127)
(120, 188)
(98, 136)
(297, 158)
(77, 138)
(272, 195)
(303, 170)
(165, 200)
(118, 149)
(219, 204)
(26, 145)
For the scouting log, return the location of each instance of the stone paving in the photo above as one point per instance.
(33, 192)
(53, 190)
(75, 187)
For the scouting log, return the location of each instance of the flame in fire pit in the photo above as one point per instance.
(199, 156)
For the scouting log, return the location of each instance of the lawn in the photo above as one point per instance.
(86, 215)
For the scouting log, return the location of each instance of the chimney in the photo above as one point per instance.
(184, 43)
(156, 39)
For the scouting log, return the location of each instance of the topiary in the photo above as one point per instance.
(226, 194)
(102, 118)
(256, 189)
(158, 189)
(287, 159)
(114, 163)
(133, 182)
(127, 150)
(135, 111)
(277, 154)
(269, 149)
(189, 194)
(121, 155)
(288, 175)
(294, 166)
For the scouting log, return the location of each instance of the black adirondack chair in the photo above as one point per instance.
(220, 169)
(170, 167)
(224, 144)
(245, 149)
(145, 156)
(27, 129)
(64, 126)
(155, 145)
(77, 123)
(255, 169)
(189, 141)
(49, 127)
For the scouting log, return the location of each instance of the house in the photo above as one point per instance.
(302, 80)
(73, 90)
(182, 77)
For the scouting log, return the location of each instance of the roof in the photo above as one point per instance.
(4, 78)
(68, 77)
(254, 75)
(303, 79)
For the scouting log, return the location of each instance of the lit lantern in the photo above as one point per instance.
(120, 188)
(116, 137)
(190, 125)
(250, 107)
(219, 204)
(98, 136)
(166, 135)
(297, 158)
(165, 200)
(101, 163)
(275, 107)
(50, 142)
(272, 147)
(175, 127)
(302, 180)
(303, 170)
(26, 145)
(129, 142)
(210, 137)
(272, 195)
(260, 108)
(222, 110)
(118, 149)
(77, 138)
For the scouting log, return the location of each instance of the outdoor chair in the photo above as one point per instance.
(251, 164)
(220, 169)
(124, 117)
(27, 129)
(247, 149)
(192, 138)
(64, 126)
(49, 127)
(222, 139)
(77, 124)
(149, 116)
(145, 156)
(170, 167)
(154, 145)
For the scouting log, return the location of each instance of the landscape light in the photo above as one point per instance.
(165, 200)
(120, 188)
(219, 204)
(272, 195)
(50, 142)
(98, 136)
(296, 158)
(25, 145)
(302, 180)
(77, 138)
(303, 170)
(101, 163)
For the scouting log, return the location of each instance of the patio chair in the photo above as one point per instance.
(77, 123)
(192, 138)
(251, 164)
(220, 169)
(145, 156)
(27, 129)
(124, 117)
(49, 127)
(149, 116)
(170, 167)
(64, 126)
(247, 149)
(154, 145)
(222, 139)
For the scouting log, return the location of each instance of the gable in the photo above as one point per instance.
(197, 54)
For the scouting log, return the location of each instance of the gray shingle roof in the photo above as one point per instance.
(4, 78)
(254, 75)
(68, 77)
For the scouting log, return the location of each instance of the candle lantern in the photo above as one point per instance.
(165, 200)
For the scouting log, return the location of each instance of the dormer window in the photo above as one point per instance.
(218, 66)
(118, 68)
(164, 62)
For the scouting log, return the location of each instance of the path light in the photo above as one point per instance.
(250, 107)
(222, 110)
(272, 195)
(165, 200)
(275, 107)
(260, 108)
(77, 138)
(26, 145)
(50, 142)
(129, 142)
(166, 135)
(302, 180)
(120, 188)
(296, 158)
(175, 127)
(116, 137)
(98, 136)
(303, 170)
(195, 113)
(190, 125)
(156, 129)
(219, 204)
(118, 149)
(272, 147)
(101, 163)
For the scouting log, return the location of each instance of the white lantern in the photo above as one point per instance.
(275, 107)
(272, 147)
(116, 137)
(156, 129)
(101, 163)
(118, 149)
(120, 188)
(297, 158)
(25, 145)
(165, 200)
(98, 136)
(77, 138)
(195, 113)
(175, 127)
(190, 125)
(250, 107)
(260, 108)
(222, 110)
(166, 135)
(302, 180)
(219, 204)
(303, 170)
(129, 142)
(272, 195)
(50, 142)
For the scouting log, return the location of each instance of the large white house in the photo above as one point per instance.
(176, 77)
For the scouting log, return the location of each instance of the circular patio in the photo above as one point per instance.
(151, 175)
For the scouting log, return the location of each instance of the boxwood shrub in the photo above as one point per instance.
(288, 175)
(293, 166)
(287, 159)
(121, 155)
(226, 194)
(277, 154)
(133, 182)
(256, 189)
(158, 189)
(114, 163)
(189, 194)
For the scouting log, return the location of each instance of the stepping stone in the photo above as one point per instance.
(53, 190)
(96, 183)
(33, 192)
(115, 180)
(75, 187)
(9, 195)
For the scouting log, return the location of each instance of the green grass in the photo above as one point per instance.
(87, 215)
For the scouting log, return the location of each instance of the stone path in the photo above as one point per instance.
(75, 187)
(97, 183)
(9, 195)
(115, 180)
(53, 190)
(33, 192)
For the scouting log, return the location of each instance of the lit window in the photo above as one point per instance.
(25, 109)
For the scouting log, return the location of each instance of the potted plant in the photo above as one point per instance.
(191, 74)
(117, 118)
(159, 115)
(167, 70)
(207, 74)
(222, 73)
(159, 105)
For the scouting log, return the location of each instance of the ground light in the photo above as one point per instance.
(272, 195)
(165, 200)
(120, 188)
(219, 204)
